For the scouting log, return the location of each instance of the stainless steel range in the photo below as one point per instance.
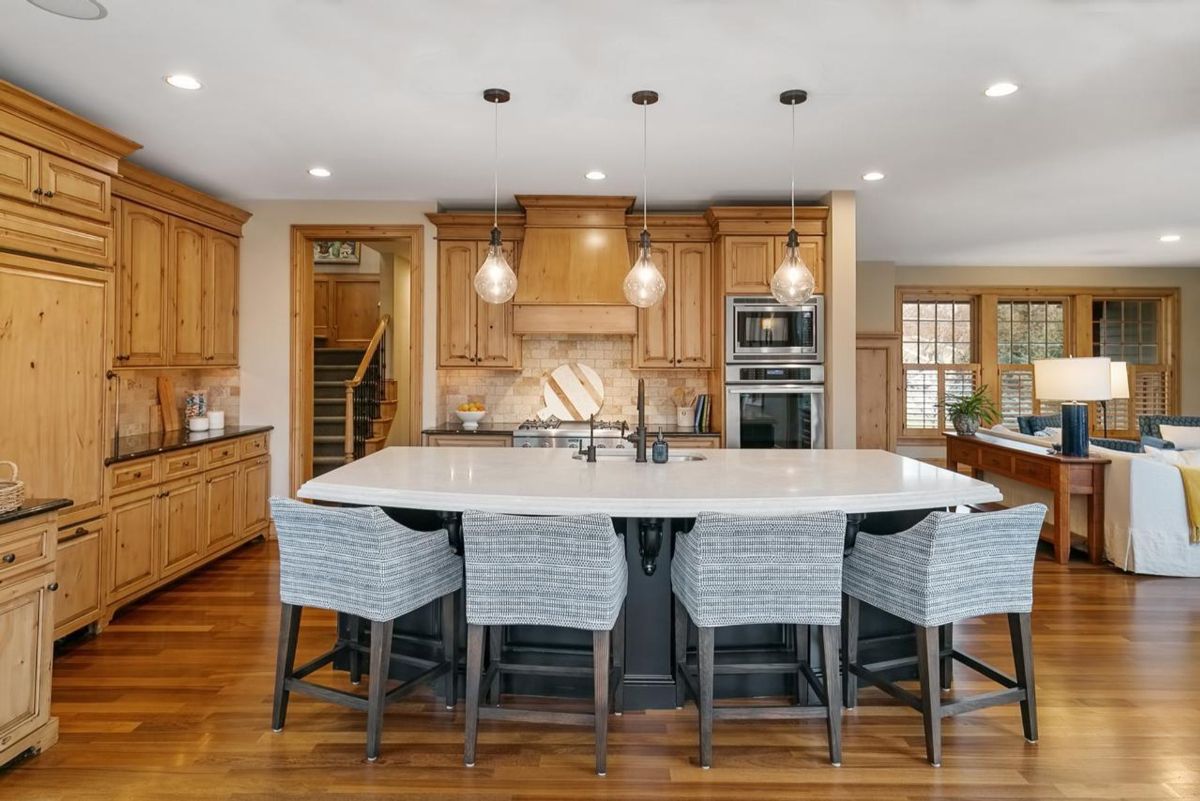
(555, 433)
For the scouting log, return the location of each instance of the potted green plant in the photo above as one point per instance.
(967, 412)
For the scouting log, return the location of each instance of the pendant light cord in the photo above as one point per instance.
(496, 164)
(645, 193)
(793, 166)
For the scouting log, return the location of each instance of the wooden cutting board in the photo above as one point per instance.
(166, 404)
(573, 391)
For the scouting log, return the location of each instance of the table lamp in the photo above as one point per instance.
(1120, 389)
(1074, 382)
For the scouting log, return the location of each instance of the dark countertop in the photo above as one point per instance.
(139, 445)
(32, 507)
(485, 428)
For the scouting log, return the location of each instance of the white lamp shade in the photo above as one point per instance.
(1120, 380)
(1086, 379)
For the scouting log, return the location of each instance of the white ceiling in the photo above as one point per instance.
(1095, 157)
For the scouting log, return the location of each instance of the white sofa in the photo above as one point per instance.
(1145, 515)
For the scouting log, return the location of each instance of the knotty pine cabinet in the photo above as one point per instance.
(471, 332)
(27, 588)
(345, 309)
(749, 262)
(678, 331)
(173, 512)
(80, 576)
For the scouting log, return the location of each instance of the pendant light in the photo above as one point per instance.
(793, 282)
(644, 285)
(495, 281)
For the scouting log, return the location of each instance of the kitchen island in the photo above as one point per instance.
(650, 504)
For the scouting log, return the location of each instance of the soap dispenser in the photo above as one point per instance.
(659, 452)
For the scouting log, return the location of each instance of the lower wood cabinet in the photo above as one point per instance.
(80, 577)
(168, 515)
(468, 440)
(26, 635)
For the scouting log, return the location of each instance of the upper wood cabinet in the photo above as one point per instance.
(751, 261)
(678, 331)
(18, 169)
(74, 188)
(142, 296)
(221, 299)
(471, 332)
(187, 302)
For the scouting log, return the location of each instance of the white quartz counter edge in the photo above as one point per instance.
(381, 489)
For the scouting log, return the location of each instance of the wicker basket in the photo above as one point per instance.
(12, 491)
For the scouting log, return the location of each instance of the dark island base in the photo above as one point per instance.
(649, 674)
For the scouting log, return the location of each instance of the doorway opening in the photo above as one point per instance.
(356, 343)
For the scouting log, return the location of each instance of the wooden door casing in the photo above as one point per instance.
(143, 305)
(187, 270)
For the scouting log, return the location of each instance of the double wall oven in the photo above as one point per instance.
(774, 374)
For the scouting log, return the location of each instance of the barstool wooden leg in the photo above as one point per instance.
(355, 657)
(381, 653)
(450, 647)
(474, 674)
(832, 668)
(680, 629)
(705, 701)
(1022, 644)
(285, 661)
(851, 609)
(618, 660)
(928, 668)
(947, 644)
(495, 652)
(601, 642)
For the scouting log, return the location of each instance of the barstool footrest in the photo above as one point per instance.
(1012, 693)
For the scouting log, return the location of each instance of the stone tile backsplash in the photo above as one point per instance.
(514, 396)
(137, 401)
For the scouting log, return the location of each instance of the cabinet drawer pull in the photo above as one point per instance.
(138, 474)
(79, 532)
(53, 587)
(9, 558)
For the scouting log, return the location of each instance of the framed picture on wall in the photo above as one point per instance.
(336, 251)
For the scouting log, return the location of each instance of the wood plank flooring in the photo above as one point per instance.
(173, 702)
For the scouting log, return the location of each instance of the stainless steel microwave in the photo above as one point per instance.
(760, 328)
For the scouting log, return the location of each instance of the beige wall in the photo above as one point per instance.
(841, 311)
(266, 306)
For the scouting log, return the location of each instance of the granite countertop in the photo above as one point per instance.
(32, 507)
(139, 445)
(455, 427)
(547, 481)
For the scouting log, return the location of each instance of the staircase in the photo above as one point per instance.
(373, 402)
(332, 368)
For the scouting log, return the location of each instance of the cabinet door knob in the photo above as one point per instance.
(38, 191)
(9, 558)
(53, 586)
(49, 195)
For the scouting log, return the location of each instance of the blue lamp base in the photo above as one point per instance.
(1074, 429)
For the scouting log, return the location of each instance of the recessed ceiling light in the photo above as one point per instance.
(181, 81)
(1169, 238)
(319, 172)
(595, 175)
(873, 175)
(1002, 89)
(73, 9)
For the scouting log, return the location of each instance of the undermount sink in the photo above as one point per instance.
(628, 455)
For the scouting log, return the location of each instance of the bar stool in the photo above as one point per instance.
(544, 571)
(737, 571)
(947, 568)
(359, 562)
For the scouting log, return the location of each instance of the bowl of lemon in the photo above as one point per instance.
(470, 414)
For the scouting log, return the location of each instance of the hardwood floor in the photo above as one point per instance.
(173, 701)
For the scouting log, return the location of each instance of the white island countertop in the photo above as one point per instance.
(548, 481)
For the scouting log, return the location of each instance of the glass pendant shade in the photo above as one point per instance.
(495, 281)
(644, 285)
(793, 282)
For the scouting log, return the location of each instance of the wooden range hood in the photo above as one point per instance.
(574, 259)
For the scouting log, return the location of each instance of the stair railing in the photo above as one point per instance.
(364, 393)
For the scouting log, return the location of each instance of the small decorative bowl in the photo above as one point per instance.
(197, 423)
(470, 420)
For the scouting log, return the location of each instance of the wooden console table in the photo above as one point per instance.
(1039, 467)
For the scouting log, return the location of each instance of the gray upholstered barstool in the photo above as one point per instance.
(544, 571)
(359, 562)
(948, 567)
(736, 571)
